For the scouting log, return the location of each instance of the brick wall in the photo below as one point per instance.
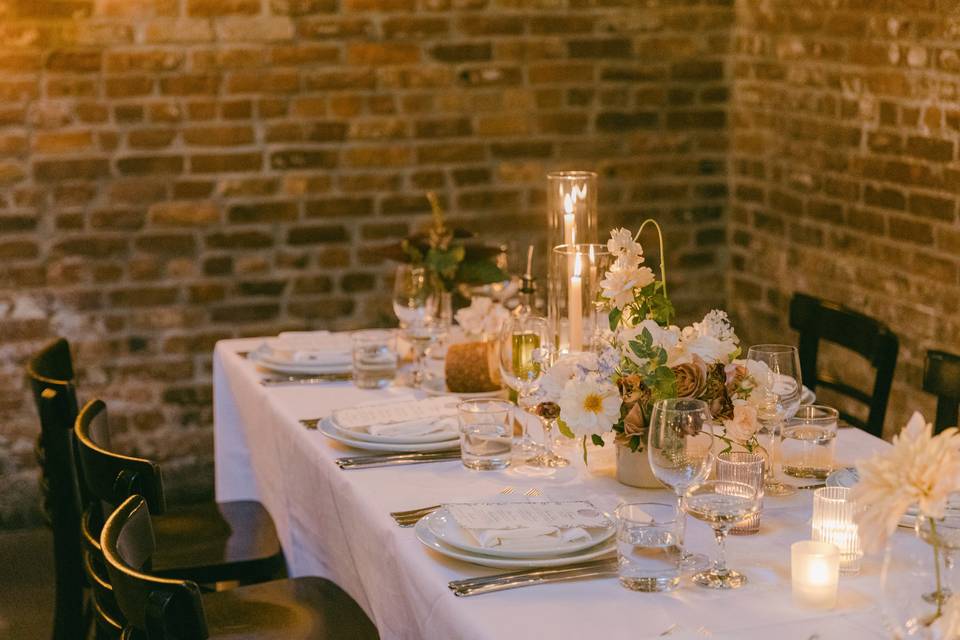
(173, 172)
(845, 174)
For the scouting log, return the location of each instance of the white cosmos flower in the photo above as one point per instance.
(621, 243)
(589, 406)
(618, 285)
(566, 368)
(919, 468)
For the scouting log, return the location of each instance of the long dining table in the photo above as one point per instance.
(335, 523)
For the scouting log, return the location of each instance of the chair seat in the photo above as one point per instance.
(218, 541)
(295, 609)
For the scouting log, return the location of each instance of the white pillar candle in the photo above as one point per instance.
(833, 522)
(575, 307)
(815, 572)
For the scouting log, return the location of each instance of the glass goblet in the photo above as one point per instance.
(680, 448)
(786, 384)
(721, 504)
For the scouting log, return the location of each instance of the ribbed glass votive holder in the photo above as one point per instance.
(747, 468)
(833, 513)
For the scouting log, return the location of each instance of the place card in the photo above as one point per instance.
(514, 515)
(393, 412)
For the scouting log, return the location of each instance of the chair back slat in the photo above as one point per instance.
(159, 607)
(820, 320)
(941, 377)
(113, 477)
(50, 373)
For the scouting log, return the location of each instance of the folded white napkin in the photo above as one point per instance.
(312, 347)
(392, 413)
(413, 428)
(530, 538)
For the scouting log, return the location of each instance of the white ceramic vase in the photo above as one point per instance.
(633, 469)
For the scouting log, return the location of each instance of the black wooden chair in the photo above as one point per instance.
(204, 543)
(941, 377)
(818, 320)
(161, 609)
(51, 378)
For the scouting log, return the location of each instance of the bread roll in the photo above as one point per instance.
(472, 367)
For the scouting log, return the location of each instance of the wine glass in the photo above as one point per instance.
(520, 339)
(680, 449)
(786, 384)
(721, 504)
(415, 303)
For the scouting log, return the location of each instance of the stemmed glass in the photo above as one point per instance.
(721, 504)
(786, 382)
(680, 448)
(521, 339)
(415, 303)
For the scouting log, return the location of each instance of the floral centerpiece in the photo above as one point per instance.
(645, 357)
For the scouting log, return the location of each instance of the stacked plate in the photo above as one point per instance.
(411, 426)
(441, 532)
(305, 353)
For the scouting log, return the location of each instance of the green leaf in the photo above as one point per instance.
(634, 443)
(615, 316)
(597, 440)
(479, 272)
(564, 429)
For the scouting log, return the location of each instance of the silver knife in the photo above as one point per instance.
(523, 573)
(274, 381)
(386, 461)
(605, 570)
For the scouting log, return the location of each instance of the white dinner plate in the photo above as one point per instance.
(326, 428)
(439, 436)
(846, 477)
(445, 528)
(428, 539)
(261, 357)
(437, 386)
(807, 396)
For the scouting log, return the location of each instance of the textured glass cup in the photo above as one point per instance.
(648, 546)
(374, 358)
(809, 441)
(833, 513)
(745, 468)
(486, 434)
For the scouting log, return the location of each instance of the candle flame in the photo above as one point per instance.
(593, 258)
(568, 200)
(576, 266)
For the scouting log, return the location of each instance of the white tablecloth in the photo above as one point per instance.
(335, 523)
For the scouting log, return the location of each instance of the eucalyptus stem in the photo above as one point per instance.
(663, 264)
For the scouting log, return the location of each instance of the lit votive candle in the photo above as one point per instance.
(815, 572)
(833, 521)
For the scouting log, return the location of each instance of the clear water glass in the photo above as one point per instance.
(745, 468)
(649, 546)
(809, 442)
(680, 448)
(486, 434)
(374, 358)
(833, 513)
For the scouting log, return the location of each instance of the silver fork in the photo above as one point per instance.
(412, 516)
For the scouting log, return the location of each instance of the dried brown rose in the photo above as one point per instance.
(634, 423)
(691, 378)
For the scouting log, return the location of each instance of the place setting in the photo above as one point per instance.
(304, 358)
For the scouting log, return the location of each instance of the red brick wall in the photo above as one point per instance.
(844, 172)
(177, 171)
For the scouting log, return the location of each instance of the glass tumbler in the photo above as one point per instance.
(486, 434)
(809, 441)
(745, 468)
(833, 522)
(374, 358)
(648, 546)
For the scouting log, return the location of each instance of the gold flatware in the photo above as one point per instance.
(516, 579)
(411, 517)
(322, 378)
(368, 462)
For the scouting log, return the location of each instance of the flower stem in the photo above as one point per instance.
(938, 594)
(663, 259)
